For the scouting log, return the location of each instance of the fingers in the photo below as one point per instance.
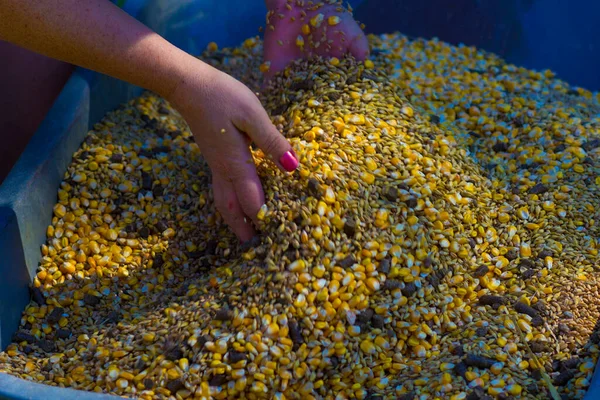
(229, 206)
(256, 124)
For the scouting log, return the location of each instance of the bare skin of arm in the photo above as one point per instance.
(97, 35)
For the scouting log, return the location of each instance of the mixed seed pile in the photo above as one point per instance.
(439, 241)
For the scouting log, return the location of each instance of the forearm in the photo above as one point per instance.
(97, 35)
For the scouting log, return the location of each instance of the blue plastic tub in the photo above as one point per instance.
(28, 193)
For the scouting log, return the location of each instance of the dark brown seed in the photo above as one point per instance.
(224, 314)
(295, 332)
(571, 363)
(526, 263)
(347, 262)
(536, 374)
(539, 346)
(511, 254)
(478, 393)
(91, 300)
(435, 119)
(23, 336)
(481, 271)
(391, 284)
(175, 385)
(472, 243)
(473, 360)
(392, 194)
(489, 299)
(595, 338)
(47, 346)
(523, 308)
(218, 380)
(563, 328)
(533, 388)
(56, 315)
(140, 364)
(378, 321)
(27, 349)
(409, 289)
(540, 188)
(564, 377)
(163, 110)
(148, 383)
(385, 265)
(157, 190)
(304, 84)
(540, 306)
(428, 262)
(250, 244)
(350, 227)
(172, 351)
(457, 350)
(314, 188)
(63, 333)
(161, 149)
(38, 296)
(158, 261)
(236, 356)
(116, 158)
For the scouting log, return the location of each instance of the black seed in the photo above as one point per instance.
(38, 296)
(218, 380)
(175, 385)
(528, 274)
(474, 134)
(472, 243)
(145, 153)
(47, 346)
(533, 388)
(211, 247)
(571, 363)
(63, 333)
(173, 353)
(161, 149)
(537, 321)
(511, 254)
(526, 263)
(483, 331)
(489, 299)
(158, 261)
(140, 364)
(591, 144)
(391, 193)
(224, 314)
(408, 396)
(27, 349)
(391, 284)
(564, 377)
(545, 253)
(540, 188)
(350, 227)
(500, 147)
(251, 244)
(163, 110)
(378, 321)
(23, 336)
(295, 332)
(411, 202)
(536, 374)
(473, 360)
(347, 262)
(595, 338)
(146, 181)
(116, 158)
(56, 315)
(540, 306)
(457, 350)
(460, 369)
(481, 271)
(365, 316)
(148, 383)
(144, 232)
(162, 226)
(305, 84)
(523, 308)
(478, 393)
(560, 148)
(157, 190)
(385, 265)
(203, 339)
(335, 361)
(236, 356)
(113, 317)
(409, 289)
(90, 300)
(435, 119)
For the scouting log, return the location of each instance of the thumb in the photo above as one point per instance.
(263, 133)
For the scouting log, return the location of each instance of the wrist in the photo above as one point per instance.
(191, 74)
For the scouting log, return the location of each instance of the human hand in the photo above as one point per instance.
(225, 116)
(299, 31)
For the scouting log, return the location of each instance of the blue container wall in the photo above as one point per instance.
(556, 34)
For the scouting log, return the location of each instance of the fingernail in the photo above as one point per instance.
(288, 161)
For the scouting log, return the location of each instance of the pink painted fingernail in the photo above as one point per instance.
(288, 161)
